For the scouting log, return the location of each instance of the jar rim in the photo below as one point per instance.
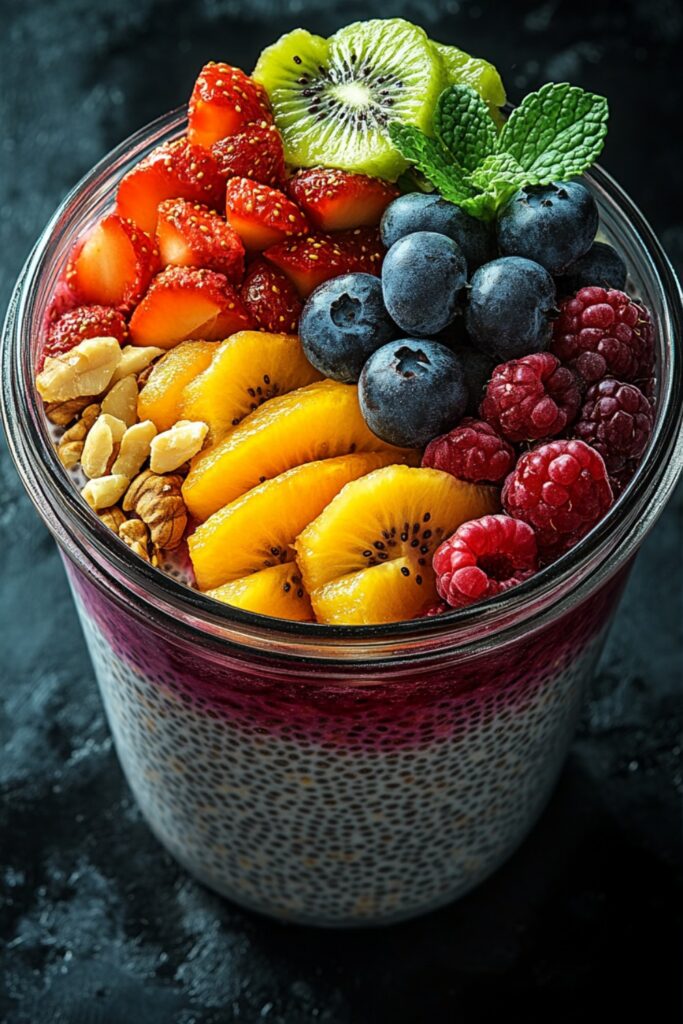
(158, 597)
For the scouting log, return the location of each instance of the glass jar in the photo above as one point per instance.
(337, 775)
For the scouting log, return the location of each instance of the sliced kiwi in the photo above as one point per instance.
(462, 69)
(334, 99)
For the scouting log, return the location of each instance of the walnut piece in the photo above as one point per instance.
(105, 490)
(112, 517)
(85, 369)
(135, 534)
(158, 501)
(122, 400)
(135, 359)
(105, 432)
(64, 413)
(135, 445)
(173, 447)
(71, 443)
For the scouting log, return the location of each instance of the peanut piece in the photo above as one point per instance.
(105, 490)
(173, 447)
(122, 400)
(85, 369)
(134, 359)
(99, 445)
(135, 446)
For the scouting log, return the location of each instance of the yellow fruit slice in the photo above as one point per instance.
(397, 512)
(316, 422)
(159, 400)
(257, 530)
(387, 592)
(247, 369)
(277, 591)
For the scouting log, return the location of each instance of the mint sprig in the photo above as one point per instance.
(555, 133)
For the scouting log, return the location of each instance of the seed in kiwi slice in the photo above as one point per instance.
(333, 99)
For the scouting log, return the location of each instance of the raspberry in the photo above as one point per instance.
(483, 558)
(74, 326)
(616, 420)
(561, 489)
(622, 478)
(531, 398)
(473, 451)
(601, 331)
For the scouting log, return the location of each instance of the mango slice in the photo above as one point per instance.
(276, 591)
(160, 398)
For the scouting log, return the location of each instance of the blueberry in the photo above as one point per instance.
(417, 211)
(411, 390)
(422, 277)
(601, 265)
(477, 367)
(551, 224)
(342, 323)
(511, 301)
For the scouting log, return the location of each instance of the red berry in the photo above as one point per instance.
(620, 480)
(562, 490)
(616, 420)
(74, 326)
(601, 331)
(473, 451)
(254, 152)
(483, 558)
(531, 398)
(271, 298)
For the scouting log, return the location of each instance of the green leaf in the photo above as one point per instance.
(432, 160)
(555, 133)
(464, 126)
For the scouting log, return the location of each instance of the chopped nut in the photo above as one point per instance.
(135, 533)
(70, 447)
(134, 359)
(112, 517)
(122, 400)
(135, 446)
(99, 444)
(64, 413)
(105, 490)
(85, 369)
(158, 501)
(173, 447)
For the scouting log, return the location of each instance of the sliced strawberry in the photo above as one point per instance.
(192, 235)
(253, 152)
(333, 199)
(173, 170)
(113, 265)
(309, 261)
(271, 298)
(261, 215)
(74, 326)
(222, 101)
(185, 302)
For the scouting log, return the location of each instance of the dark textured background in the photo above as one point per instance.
(97, 925)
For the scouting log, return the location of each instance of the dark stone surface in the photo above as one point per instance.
(97, 924)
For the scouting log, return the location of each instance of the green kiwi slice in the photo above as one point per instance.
(333, 99)
(462, 69)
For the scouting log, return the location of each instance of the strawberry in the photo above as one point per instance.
(222, 101)
(334, 199)
(113, 265)
(172, 170)
(82, 322)
(186, 302)
(309, 261)
(192, 235)
(261, 215)
(253, 152)
(271, 298)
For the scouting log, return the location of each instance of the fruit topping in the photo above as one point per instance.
(82, 322)
(616, 420)
(174, 170)
(423, 276)
(393, 516)
(333, 99)
(343, 322)
(113, 265)
(482, 76)
(472, 451)
(419, 211)
(313, 259)
(246, 370)
(191, 235)
(319, 421)
(160, 399)
(253, 152)
(333, 199)
(261, 215)
(258, 529)
(483, 558)
(553, 224)
(561, 489)
(277, 591)
(511, 301)
(270, 298)
(531, 398)
(412, 390)
(223, 100)
(601, 331)
(183, 303)
(601, 265)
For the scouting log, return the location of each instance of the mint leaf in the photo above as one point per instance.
(555, 133)
(464, 126)
(432, 160)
